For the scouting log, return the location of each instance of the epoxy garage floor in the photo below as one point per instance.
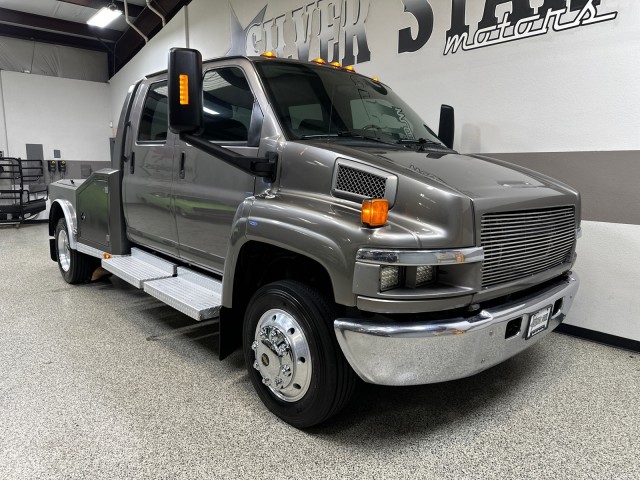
(101, 381)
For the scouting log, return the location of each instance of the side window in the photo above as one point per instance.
(227, 103)
(153, 121)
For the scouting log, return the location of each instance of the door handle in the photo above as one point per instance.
(182, 159)
(132, 165)
(127, 142)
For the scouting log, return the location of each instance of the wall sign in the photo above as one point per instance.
(521, 22)
(338, 27)
(348, 17)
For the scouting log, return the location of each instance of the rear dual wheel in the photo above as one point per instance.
(292, 355)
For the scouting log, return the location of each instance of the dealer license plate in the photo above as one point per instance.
(539, 321)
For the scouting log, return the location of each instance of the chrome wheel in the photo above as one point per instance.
(292, 354)
(64, 251)
(282, 355)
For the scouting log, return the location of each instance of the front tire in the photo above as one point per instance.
(292, 355)
(74, 266)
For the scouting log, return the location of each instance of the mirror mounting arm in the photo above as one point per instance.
(260, 167)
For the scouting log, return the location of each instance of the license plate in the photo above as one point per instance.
(539, 321)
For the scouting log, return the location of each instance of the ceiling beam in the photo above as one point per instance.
(134, 10)
(56, 25)
(51, 37)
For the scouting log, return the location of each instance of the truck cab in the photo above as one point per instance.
(332, 232)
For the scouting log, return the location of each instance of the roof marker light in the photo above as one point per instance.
(269, 54)
(320, 61)
(335, 64)
(350, 69)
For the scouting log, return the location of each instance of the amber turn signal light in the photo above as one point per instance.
(184, 90)
(375, 212)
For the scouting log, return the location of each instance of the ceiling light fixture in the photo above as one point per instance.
(105, 16)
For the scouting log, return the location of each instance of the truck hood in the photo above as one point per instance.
(441, 195)
(491, 184)
(477, 177)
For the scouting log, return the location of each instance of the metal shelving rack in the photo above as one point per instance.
(23, 192)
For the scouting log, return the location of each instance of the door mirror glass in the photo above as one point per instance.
(185, 90)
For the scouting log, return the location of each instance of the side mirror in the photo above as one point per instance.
(186, 117)
(447, 125)
(185, 91)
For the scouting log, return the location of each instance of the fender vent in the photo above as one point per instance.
(363, 184)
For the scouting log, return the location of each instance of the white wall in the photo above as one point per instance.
(68, 115)
(27, 56)
(608, 297)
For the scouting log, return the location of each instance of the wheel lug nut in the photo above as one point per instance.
(266, 381)
(256, 366)
(286, 370)
(254, 345)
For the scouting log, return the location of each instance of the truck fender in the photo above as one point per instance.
(256, 222)
(69, 213)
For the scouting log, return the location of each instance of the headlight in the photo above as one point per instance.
(410, 277)
(389, 277)
(424, 274)
(418, 276)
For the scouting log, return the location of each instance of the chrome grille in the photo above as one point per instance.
(361, 183)
(520, 244)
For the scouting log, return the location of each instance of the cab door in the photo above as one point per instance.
(207, 191)
(148, 171)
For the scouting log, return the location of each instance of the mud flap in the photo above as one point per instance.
(53, 253)
(230, 337)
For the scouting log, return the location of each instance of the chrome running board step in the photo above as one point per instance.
(193, 294)
(139, 267)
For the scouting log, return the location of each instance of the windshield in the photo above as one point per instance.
(318, 101)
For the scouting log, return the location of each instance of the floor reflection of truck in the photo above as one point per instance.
(348, 239)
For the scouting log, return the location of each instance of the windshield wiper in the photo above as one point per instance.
(318, 135)
(347, 134)
(352, 134)
(423, 143)
(419, 141)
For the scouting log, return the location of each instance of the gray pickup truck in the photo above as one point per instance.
(329, 230)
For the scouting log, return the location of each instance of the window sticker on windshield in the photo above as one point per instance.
(402, 118)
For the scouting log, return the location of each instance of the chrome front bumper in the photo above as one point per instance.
(429, 352)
